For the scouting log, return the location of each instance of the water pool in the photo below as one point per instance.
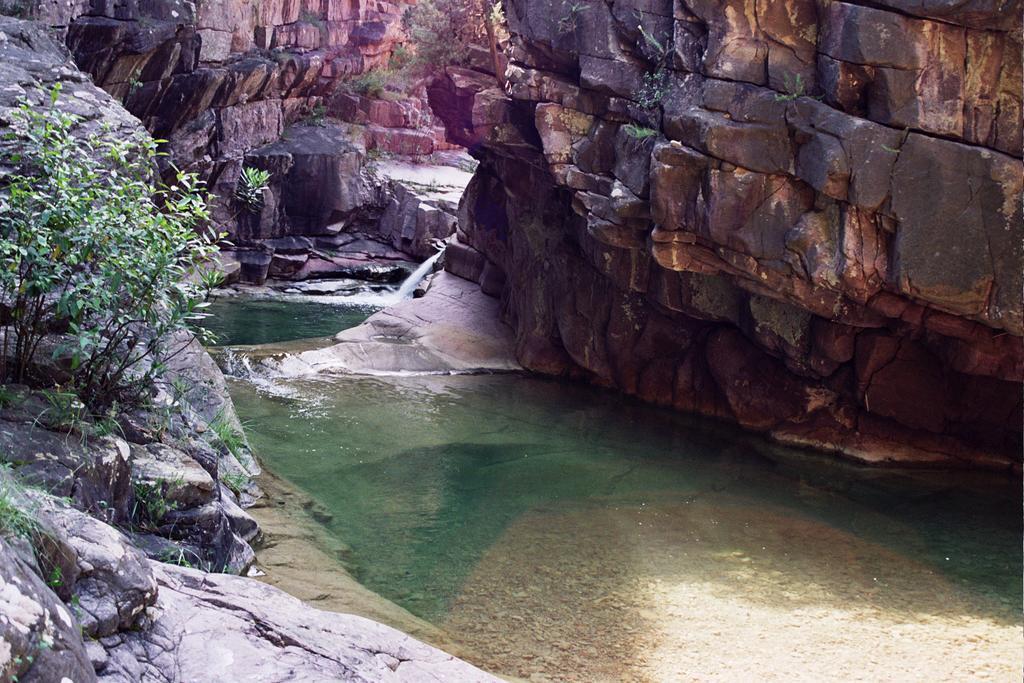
(559, 532)
(248, 320)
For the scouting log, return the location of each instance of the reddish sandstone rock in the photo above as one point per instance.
(767, 244)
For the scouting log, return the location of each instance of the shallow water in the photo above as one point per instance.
(559, 531)
(244, 320)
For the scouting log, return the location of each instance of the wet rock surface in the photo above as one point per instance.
(454, 327)
(782, 215)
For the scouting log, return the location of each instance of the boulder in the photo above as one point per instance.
(113, 583)
(41, 640)
(264, 634)
(316, 176)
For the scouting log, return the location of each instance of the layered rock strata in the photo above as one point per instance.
(800, 216)
(223, 81)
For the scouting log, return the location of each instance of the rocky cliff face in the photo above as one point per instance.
(257, 83)
(220, 79)
(802, 216)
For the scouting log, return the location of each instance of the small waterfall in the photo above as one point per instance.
(409, 285)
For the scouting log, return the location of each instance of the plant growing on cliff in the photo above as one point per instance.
(370, 83)
(17, 519)
(226, 434)
(252, 182)
(317, 116)
(570, 19)
(653, 42)
(236, 481)
(151, 504)
(442, 31)
(96, 259)
(65, 411)
(795, 89)
(638, 132)
(16, 8)
(653, 88)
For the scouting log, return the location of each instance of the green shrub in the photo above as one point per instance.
(151, 504)
(317, 116)
(400, 58)
(441, 31)
(252, 182)
(92, 247)
(370, 83)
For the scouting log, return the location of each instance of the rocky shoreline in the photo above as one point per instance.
(103, 588)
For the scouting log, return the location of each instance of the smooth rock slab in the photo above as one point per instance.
(454, 328)
(218, 628)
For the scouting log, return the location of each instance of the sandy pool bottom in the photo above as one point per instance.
(712, 590)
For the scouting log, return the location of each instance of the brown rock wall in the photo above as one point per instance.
(811, 225)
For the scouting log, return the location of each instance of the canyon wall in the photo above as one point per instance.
(800, 216)
(260, 83)
(219, 80)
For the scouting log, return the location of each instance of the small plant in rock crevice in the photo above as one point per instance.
(65, 411)
(134, 83)
(638, 132)
(8, 397)
(252, 183)
(236, 481)
(570, 19)
(20, 519)
(652, 41)
(22, 9)
(177, 557)
(653, 88)
(17, 517)
(226, 434)
(151, 503)
(56, 578)
(795, 89)
(313, 18)
(317, 116)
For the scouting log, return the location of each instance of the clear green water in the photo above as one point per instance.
(422, 477)
(243, 320)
